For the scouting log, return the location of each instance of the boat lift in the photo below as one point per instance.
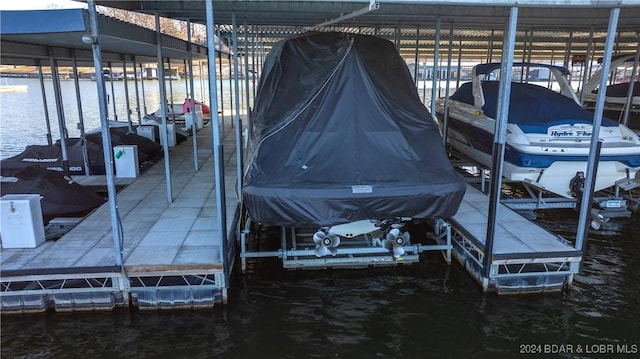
(621, 201)
(299, 250)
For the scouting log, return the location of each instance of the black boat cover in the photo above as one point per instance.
(61, 196)
(339, 135)
(532, 107)
(50, 157)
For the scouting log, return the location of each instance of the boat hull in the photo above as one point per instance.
(548, 167)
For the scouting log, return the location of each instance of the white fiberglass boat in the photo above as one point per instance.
(548, 132)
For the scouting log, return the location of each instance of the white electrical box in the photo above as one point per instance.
(171, 134)
(148, 131)
(126, 159)
(188, 120)
(198, 112)
(21, 224)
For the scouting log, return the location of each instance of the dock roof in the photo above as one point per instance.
(547, 25)
(27, 36)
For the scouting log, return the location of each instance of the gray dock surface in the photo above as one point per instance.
(157, 235)
(514, 233)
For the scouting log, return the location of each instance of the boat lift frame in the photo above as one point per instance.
(297, 249)
(615, 204)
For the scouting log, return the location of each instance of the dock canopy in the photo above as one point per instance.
(30, 35)
(339, 135)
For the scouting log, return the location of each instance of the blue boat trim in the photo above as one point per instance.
(482, 141)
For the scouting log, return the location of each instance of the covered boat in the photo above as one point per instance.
(548, 132)
(339, 135)
(50, 157)
(61, 196)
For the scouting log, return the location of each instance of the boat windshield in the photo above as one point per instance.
(532, 74)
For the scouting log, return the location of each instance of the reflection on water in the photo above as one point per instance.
(22, 115)
(425, 310)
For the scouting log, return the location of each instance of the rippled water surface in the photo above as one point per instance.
(424, 310)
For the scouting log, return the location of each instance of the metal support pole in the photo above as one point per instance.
(135, 81)
(253, 61)
(83, 137)
(232, 90)
(434, 73)
(567, 51)
(126, 93)
(113, 93)
(106, 136)
(490, 47)
(238, 121)
(194, 125)
(634, 73)
(587, 59)
(445, 120)
(396, 39)
(459, 64)
(524, 54)
(221, 84)
(184, 64)
(44, 102)
(163, 111)
(553, 62)
(218, 148)
(202, 93)
(590, 176)
(246, 77)
(415, 61)
(504, 95)
(170, 99)
(591, 62)
(144, 97)
(261, 59)
(57, 92)
(529, 51)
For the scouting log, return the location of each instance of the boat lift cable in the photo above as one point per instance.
(295, 116)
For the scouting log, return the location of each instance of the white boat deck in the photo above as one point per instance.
(158, 235)
(514, 237)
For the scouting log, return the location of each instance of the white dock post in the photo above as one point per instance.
(194, 125)
(587, 195)
(504, 94)
(215, 129)
(163, 110)
(106, 135)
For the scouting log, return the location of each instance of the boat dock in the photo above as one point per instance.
(526, 257)
(171, 254)
(171, 237)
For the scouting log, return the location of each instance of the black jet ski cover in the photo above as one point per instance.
(339, 135)
(61, 196)
(50, 158)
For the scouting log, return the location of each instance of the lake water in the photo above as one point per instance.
(425, 310)
(22, 115)
(420, 311)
